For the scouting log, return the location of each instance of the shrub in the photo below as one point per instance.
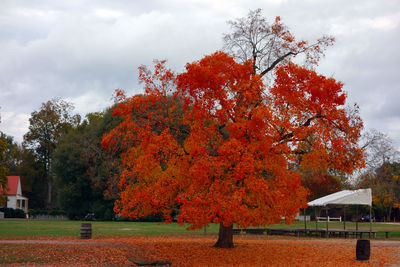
(13, 213)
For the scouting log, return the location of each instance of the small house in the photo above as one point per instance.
(15, 199)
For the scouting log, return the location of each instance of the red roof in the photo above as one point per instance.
(12, 185)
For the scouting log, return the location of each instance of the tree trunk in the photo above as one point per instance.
(49, 193)
(225, 237)
(389, 214)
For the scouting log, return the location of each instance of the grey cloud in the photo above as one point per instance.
(82, 51)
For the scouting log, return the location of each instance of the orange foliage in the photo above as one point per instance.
(257, 251)
(61, 255)
(197, 251)
(220, 145)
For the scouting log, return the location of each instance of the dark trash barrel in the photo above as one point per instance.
(86, 231)
(363, 250)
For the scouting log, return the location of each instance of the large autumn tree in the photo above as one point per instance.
(224, 147)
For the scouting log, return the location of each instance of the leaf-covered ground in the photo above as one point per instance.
(195, 251)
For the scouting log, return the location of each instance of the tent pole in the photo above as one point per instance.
(327, 220)
(316, 219)
(344, 217)
(370, 221)
(357, 217)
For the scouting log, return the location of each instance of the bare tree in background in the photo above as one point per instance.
(378, 149)
(269, 45)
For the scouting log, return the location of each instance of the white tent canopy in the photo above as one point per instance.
(345, 197)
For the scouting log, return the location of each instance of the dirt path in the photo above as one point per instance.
(59, 242)
(93, 242)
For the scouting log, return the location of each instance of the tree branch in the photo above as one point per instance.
(277, 61)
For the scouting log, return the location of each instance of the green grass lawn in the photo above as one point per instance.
(339, 225)
(18, 228)
(35, 228)
(393, 228)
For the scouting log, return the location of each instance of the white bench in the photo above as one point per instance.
(330, 219)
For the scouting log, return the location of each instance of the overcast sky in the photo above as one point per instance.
(82, 50)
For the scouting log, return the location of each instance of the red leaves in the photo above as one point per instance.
(312, 106)
(299, 86)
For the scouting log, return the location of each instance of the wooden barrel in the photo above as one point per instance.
(86, 231)
(363, 249)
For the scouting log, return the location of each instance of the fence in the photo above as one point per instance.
(48, 217)
(330, 219)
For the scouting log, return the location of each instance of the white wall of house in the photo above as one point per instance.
(12, 202)
(17, 202)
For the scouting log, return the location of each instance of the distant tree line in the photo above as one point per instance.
(61, 162)
(382, 174)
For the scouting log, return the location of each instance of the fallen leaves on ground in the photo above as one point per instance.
(198, 251)
(60, 254)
